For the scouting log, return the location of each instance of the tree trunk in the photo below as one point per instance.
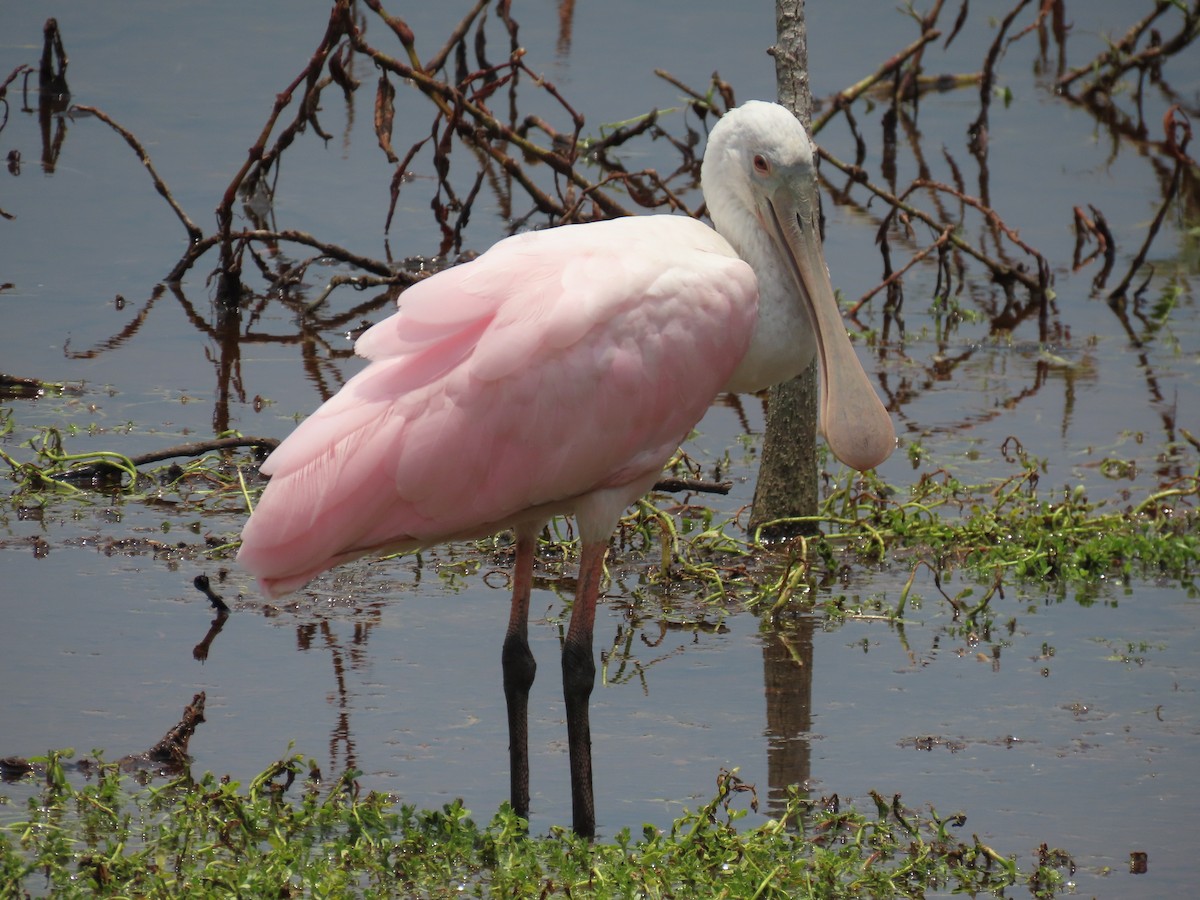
(787, 477)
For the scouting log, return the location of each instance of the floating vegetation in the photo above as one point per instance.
(998, 531)
(287, 833)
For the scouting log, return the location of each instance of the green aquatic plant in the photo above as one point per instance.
(288, 834)
(1003, 530)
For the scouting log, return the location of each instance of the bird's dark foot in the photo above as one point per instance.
(579, 675)
(519, 671)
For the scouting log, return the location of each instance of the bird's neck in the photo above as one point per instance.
(782, 345)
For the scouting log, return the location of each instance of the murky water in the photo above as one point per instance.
(1080, 728)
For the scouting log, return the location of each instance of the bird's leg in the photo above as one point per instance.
(579, 674)
(519, 670)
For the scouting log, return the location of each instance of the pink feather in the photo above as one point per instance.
(558, 368)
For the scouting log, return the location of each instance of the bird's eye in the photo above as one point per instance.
(761, 166)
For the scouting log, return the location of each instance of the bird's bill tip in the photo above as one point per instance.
(855, 423)
(858, 430)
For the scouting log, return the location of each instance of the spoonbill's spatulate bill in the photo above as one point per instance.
(557, 373)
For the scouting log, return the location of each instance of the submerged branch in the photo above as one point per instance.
(105, 470)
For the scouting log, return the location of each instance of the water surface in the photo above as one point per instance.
(1078, 728)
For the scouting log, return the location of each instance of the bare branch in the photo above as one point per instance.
(193, 230)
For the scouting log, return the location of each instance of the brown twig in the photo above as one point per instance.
(489, 134)
(979, 128)
(699, 486)
(103, 471)
(942, 240)
(360, 283)
(999, 270)
(1096, 226)
(13, 76)
(172, 750)
(1182, 162)
(844, 98)
(1122, 56)
(456, 36)
(257, 155)
(993, 218)
(202, 246)
(193, 230)
(702, 103)
(53, 78)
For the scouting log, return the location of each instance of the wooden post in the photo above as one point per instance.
(787, 477)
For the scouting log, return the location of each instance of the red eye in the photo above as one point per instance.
(761, 166)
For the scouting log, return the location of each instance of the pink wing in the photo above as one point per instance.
(557, 364)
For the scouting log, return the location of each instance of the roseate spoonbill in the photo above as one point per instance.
(556, 374)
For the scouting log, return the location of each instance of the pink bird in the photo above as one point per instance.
(556, 374)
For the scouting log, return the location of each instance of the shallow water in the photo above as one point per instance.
(1067, 736)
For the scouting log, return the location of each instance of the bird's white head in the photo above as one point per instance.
(753, 147)
(759, 182)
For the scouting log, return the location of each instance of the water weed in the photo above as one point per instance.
(288, 834)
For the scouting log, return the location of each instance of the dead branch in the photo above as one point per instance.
(13, 76)
(456, 36)
(52, 72)
(677, 485)
(993, 218)
(1122, 56)
(193, 230)
(999, 270)
(846, 97)
(359, 283)
(1171, 125)
(979, 128)
(104, 472)
(172, 750)
(507, 153)
(938, 244)
(1096, 226)
(170, 754)
(488, 134)
(260, 157)
(702, 103)
(334, 251)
